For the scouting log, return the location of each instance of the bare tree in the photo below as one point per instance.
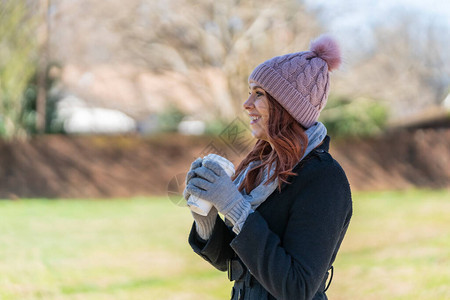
(212, 44)
(232, 36)
(408, 67)
(18, 50)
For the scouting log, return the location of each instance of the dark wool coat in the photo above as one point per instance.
(290, 242)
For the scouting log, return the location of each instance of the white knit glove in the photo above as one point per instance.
(203, 224)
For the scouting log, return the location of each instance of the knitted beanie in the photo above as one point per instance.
(300, 81)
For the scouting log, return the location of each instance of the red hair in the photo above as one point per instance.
(289, 142)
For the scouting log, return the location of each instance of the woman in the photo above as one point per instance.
(288, 206)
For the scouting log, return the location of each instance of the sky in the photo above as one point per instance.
(342, 12)
(353, 20)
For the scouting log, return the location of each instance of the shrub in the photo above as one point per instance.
(169, 119)
(28, 112)
(359, 117)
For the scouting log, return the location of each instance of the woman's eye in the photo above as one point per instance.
(258, 94)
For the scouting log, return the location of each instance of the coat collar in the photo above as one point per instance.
(323, 147)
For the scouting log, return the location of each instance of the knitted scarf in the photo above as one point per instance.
(259, 194)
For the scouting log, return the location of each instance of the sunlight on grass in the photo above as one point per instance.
(396, 248)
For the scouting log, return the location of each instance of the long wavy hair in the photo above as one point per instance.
(289, 142)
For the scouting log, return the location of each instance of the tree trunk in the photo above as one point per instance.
(42, 72)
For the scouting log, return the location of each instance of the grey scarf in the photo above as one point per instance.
(259, 194)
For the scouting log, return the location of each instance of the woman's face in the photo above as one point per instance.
(257, 107)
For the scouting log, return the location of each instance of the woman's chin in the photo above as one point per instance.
(259, 135)
(256, 135)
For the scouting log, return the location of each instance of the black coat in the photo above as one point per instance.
(290, 242)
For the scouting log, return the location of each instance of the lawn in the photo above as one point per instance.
(397, 247)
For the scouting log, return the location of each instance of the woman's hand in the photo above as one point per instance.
(214, 185)
(204, 224)
(191, 173)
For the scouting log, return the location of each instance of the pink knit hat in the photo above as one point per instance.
(300, 81)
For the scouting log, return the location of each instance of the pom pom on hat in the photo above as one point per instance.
(327, 49)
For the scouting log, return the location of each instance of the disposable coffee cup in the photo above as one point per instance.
(201, 206)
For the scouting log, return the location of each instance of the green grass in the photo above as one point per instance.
(397, 247)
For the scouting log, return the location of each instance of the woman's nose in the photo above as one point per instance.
(249, 103)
